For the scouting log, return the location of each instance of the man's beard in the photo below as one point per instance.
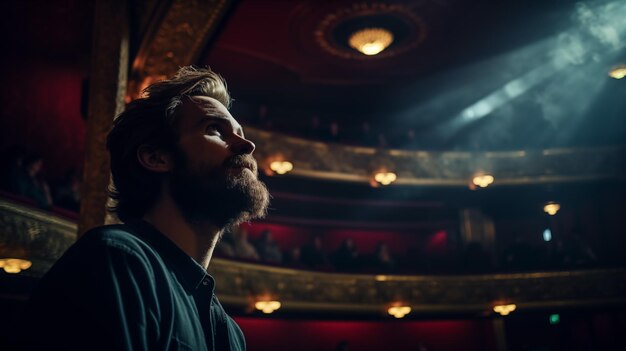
(224, 196)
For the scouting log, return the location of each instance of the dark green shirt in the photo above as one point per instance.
(128, 287)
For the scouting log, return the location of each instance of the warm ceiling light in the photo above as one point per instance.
(371, 41)
(14, 265)
(399, 311)
(618, 72)
(504, 309)
(483, 181)
(385, 178)
(551, 208)
(267, 306)
(281, 167)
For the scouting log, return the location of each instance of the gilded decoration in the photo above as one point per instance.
(43, 237)
(176, 39)
(37, 235)
(432, 168)
(404, 13)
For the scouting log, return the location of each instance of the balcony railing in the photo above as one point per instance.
(43, 237)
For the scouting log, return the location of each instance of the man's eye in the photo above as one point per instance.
(213, 129)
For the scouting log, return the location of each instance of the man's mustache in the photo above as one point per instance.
(244, 161)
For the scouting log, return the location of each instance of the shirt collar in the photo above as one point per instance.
(192, 275)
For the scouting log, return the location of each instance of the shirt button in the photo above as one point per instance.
(205, 282)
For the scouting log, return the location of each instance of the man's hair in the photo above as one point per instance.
(152, 121)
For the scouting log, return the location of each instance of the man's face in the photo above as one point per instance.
(215, 177)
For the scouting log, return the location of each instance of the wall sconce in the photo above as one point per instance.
(504, 310)
(267, 306)
(385, 178)
(483, 180)
(281, 167)
(551, 208)
(14, 265)
(399, 311)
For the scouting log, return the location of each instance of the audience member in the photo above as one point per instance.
(520, 256)
(381, 261)
(12, 168)
(293, 258)
(268, 249)
(67, 193)
(32, 184)
(313, 256)
(243, 248)
(345, 258)
(226, 246)
(475, 259)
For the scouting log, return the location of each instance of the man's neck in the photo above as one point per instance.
(197, 241)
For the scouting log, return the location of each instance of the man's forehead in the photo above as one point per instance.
(209, 104)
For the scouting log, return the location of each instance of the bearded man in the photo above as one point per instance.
(183, 172)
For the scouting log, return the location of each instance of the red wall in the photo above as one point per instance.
(41, 111)
(366, 240)
(275, 334)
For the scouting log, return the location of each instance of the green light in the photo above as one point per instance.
(555, 319)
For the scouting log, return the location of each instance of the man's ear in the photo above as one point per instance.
(154, 159)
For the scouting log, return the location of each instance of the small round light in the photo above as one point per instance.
(371, 41)
(14, 265)
(281, 167)
(385, 178)
(267, 306)
(504, 310)
(547, 235)
(399, 311)
(483, 180)
(551, 208)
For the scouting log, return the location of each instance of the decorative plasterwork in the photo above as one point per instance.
(43, 237)
(324, 31)
(176, 40)
(30, 233)
(241, 283)
(429, 168)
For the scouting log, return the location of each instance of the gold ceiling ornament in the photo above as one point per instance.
(267, 307)
(399, 311)
(551, 208)
(618, 72)
(14, 265)
(371, 41)
(324, 33)
(504, 310)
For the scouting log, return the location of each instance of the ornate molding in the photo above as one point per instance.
(432, 168)
(30, 233)
(43, 237)
(177, 39)
(240, 283)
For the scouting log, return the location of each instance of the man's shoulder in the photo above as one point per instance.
(116, 236)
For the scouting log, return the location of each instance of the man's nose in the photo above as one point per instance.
(243, 146)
